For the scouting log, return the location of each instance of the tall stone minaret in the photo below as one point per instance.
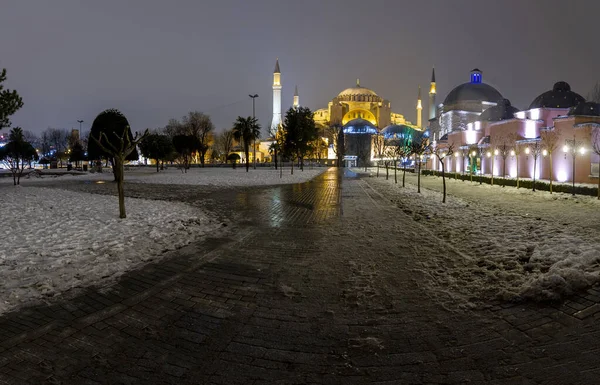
(276, 122)
(432, 106)
(296, 100)
(419, 110)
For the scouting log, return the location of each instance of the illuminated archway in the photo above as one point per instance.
(360, 113)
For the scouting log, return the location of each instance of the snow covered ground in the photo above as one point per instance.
(54, 240)
(210, 176)
(513, 243)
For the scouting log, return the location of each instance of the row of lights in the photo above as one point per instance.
(512, 152)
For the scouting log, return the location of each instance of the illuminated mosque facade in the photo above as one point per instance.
(359, 110)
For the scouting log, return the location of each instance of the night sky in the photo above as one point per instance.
(156, 59)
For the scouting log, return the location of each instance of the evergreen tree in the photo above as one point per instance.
(10, 102)
(77, 153)
(185, 147)
(108, 128)
(158, 147)
(299, 131)
(17, 154)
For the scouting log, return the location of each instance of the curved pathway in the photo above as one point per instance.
(315, 283)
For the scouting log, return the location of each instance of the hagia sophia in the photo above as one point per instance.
(476, 120)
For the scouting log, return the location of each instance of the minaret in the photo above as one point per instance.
(296, 102)
(276, 122)
(432, 107)
(419, 110)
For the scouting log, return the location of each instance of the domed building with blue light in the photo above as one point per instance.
(359, 110)
(490, 136)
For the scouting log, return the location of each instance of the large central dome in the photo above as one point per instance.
(357, 90)
(474, 91)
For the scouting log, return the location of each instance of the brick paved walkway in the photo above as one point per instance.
(314, 284)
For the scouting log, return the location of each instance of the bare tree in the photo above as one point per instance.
(517, 149)
(596, 149)
(31, 138)
(535, 149)
(472, 157)
(335, 132)
(174, 127)
(45, 144)
(549, 139)
(59, 139)
(379, 149)
(199, 125)
(226, 141)
(419, 146)
(441, 153)
(594, 94)
(118, 149)
(502, 146)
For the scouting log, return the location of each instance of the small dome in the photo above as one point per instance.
(560, 96)
(502, 111)
(479, 92)
(397, 130)
(359, 126)
(585, 109)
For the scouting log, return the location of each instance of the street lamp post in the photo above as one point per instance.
(80, 121)
(572, 147)
(254, 141)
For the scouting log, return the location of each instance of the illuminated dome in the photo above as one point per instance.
(359, 126)
(358, 90)
(585, 109)
(359, 93)
(397, 130)
(561, 96)
(502, 111)
(474, 91)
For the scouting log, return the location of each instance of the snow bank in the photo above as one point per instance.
(54, 240)
(210, 176)
(513, 244)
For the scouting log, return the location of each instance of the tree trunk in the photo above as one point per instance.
(118, 165)
(534, 168)
(387, 171)
(403, 173)
(480, 168)
(396, 171)
(471, 169)
(550, 173)
(377, 169)
(247, 151)
(292, 167)
(419, 178)
(492, 172)
(503, 171)
(443, 182)
(275, 157)
(598, 183)
(157, 165)
(517, 158)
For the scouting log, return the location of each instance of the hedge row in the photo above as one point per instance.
(524, 183)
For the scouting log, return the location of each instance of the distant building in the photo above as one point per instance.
(360, 110)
